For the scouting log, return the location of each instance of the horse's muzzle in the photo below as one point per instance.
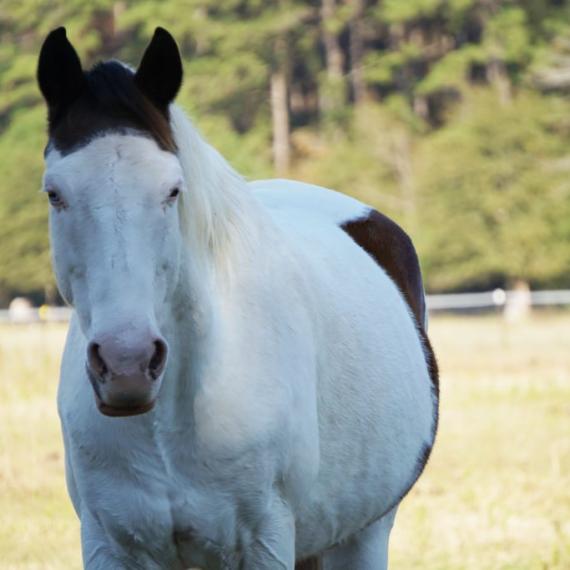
(126, 378)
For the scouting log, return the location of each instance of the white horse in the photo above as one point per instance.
(262, 389)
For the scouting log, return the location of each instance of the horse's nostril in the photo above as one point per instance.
(96, 361)
(158, 359)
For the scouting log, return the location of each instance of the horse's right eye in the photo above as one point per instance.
(55, 199)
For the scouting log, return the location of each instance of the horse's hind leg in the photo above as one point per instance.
(366, 550)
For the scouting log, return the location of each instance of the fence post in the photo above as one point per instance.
(519, 302)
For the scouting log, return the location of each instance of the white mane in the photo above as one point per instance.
(218, 210)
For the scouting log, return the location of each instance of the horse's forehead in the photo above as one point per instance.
(129, 156)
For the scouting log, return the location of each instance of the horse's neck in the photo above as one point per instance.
(222, 224)
(201, 312)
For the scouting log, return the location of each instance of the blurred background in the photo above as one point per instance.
(452, 117)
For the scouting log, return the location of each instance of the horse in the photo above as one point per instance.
(263, 391)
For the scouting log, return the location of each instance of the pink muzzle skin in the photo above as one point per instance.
(125, 375)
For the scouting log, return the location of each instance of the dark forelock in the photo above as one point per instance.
(111, 102)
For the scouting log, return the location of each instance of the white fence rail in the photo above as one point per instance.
(35, 314)
(460, 302)
(497, 299)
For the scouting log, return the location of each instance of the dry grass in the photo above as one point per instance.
(496, 491)
(495, 495)
(38, 528)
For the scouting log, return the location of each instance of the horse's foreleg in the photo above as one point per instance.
(273, 547)
(366, 550)
(99, 555)
(96, 552)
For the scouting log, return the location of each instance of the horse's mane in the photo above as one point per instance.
(217, 209)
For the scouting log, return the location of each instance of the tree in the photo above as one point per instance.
(24, 255)
(449, 115)
(496, 200)
(332, 89)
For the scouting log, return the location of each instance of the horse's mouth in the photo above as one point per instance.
(116, 412)
(132, 409)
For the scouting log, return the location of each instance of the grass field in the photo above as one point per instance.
(495, 495)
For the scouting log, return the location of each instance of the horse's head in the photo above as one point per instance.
(112, 179)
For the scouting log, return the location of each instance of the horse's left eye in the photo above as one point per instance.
(174, 193)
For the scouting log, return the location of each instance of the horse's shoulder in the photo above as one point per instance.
(391, 247)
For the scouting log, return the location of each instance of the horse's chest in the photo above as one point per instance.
(181, 510)
(167, 520)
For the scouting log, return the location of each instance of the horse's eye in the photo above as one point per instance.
(173, 193)
(54, 198)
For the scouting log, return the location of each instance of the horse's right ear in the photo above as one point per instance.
(60, 77)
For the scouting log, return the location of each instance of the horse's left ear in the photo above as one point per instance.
(159, 75)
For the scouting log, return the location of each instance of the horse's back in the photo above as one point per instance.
(384, 240)
(375, 397)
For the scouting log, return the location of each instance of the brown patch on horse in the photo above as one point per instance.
(110, 97)
(313, 563)
(391, 247)
(431, 361)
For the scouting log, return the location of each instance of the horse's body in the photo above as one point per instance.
(296, 409)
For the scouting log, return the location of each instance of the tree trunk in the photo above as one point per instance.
(105, 22)
(280, 108)
(332, 95)
(50, 294)
(421, 107)
(356, 49)
(498, 77)
(402, 162)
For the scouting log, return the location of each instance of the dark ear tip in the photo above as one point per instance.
(54, 39)
(163, 34)
(59, 34)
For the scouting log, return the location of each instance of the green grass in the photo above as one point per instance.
(495, 495)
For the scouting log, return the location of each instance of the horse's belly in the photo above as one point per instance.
(369, 460)
(376, 403)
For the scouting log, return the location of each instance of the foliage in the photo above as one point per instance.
(24, 255)
(501, 190)
(462, 133)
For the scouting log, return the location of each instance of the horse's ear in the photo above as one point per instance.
(159, 75)
(60, 77)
